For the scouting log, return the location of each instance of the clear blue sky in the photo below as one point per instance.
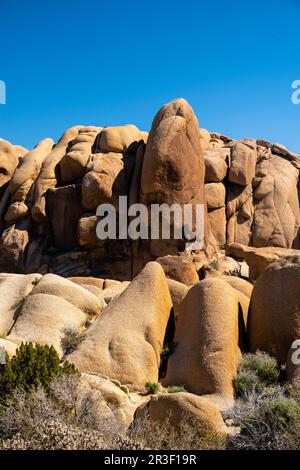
(113, 62)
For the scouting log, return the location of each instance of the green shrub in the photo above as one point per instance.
(31, 367)
(175, 389)
(71, 340)
(245, 381)
(256, 372)
(153, 387)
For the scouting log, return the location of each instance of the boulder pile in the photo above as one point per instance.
(151, 310)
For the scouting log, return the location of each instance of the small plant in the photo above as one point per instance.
(153, 388)
(71, 340)
(175, 389)
(167, 350)
(214, 264)
(107, 300)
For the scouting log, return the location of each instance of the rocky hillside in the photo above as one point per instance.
(49, 195)
(148, 311)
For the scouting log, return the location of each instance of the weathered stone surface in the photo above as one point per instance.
(177, 408)
(73, 164)
(217, 220)
(47, 178)
(239, 212)
(243, 161)
(8, 161)
(274, 314)
(258, 259)
(9, 347)
(179, 268)
(276, 216)
(64, 211)
(119, 138)
(215, 194)
(42, 319)
(207, 341)
(23, 178)
(126, 341)
(173, 166)
(13, 243)
(52, 284)
(215, 165)
(109, 177)
(14, 288)
(111, 401)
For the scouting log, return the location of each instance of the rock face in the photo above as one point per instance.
(8, 161)
(274, 314)
(179, 407)
(126, 341)
(23, 179)
(179, 268)
(258, 259)
(207, 341)
(173, 166)
(13, 289)
(49, 195)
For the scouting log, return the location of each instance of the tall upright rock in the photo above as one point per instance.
(173, 167)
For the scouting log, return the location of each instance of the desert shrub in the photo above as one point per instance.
(71, 340)
(107, 300)
(255, 372)
(31, 367)
(269, 419)
(175, 389)
(60, 418)
(153, 387)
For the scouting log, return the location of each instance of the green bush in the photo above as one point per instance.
(256, 372)
(153, 387)
(31, 367)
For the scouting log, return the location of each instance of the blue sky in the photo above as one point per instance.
(114, 62)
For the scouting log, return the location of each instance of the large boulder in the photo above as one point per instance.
(276, 217)
(179, 268)
(8, 161)
(243, 161)
(51, 284)
(109, 177)
(126, 341)
(173, 165)
(14, 288)
(21, 183)
(176, 409)
(239, 212)
(43, 319)
(274, 313)
(73, 164)
(207, 338)
(258, 259)
(215, 165)
(13, 247)
(109, 400)
(215, 194)
(47, 178)
(120, 138)
(217, 220)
